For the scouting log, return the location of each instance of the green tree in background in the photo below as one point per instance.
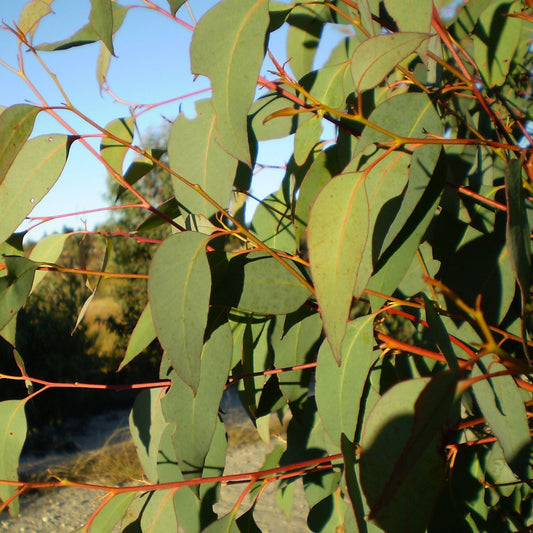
(379, 300)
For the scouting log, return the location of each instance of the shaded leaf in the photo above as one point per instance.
(15, 287)
(194, 154)
(411, 15)
(114, 152)
(142, 336)
(502, 405)
(374, 58)
(14, 427)
(16, 124)
(101, 18)
(32, 174)
(87, 34)
(159, 513)
(111, 514)
(256, 282)
(275, 128)
(337, 236)
(175, 5)
(228, 48)
(102, 65)
(139, 168)
(180, 302)
(170, 208)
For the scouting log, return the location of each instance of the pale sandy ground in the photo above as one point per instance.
(67, 509)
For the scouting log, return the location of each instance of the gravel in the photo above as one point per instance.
(67, 509)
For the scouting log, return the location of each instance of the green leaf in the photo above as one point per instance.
(194, 415)
(228, 47)
(139, 168)
(518, 241)
(496, 39)
(307, 136)
(411, 15)
(14, 427)
(402, 463)
(499, 472)
(180, 302)
(114, 152)
(102, 65)
(159, 514)
(339, 389)
(502, 405)
(31, 15)
(226, 524)
(175, 5)
(337, 235)
(170, 208)
(306, 24)
(256, 282)
(278, 127)
(16, 124)
(32, 174)
(87, 34)
(47, 250)
(194, 154)
(111, 514)
(101, 19)
(375, 58)
(142, 336)
(15, 287)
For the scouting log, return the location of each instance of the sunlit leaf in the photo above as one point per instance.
(101, 18)
(114, 152)
(180, 302)
(16, 124)
(87, 34)
(374, 58)
(141, 337)
(112, 513)
(307, 136)
(47, 250)
(159, 513)
(194, 154)
(102, 65)
(227, 48)
(275, 128)
(14, 427)
(31, 15)
(411, 15)
(32, 174)
(337, 236)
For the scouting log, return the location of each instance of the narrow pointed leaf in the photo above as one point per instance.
(12, 437)
(113, 151)
(16, 124)
(194, 154)
(101, 18)
(180, 302)
(31, 15)
(228, 48)
(337, 236)
(139, 168)
(102, 65)
(87, 34)
(15, 287)
(32, 174)
(374, 58)
(175, 5)
(47, 250)
(143, 334)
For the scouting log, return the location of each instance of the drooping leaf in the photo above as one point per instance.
(495, 40)
(87, 34)
(114, 152)
(32, 174)
(101, 19)
(402, 463)
(102, 65)
(194, 154)
(15, 287)
(175, 5)
(47, 250)
(307, 136)
(374, 58)
(256, 282)
(194, 416)
(227, 48)
(143, 334)
(503, 407)
(337, 236)
(31, 15)
(16, 124)
(180, 302)
(518, 241)
(339, 389)
(14, 427)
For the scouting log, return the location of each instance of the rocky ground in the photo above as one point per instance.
(67, 509)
